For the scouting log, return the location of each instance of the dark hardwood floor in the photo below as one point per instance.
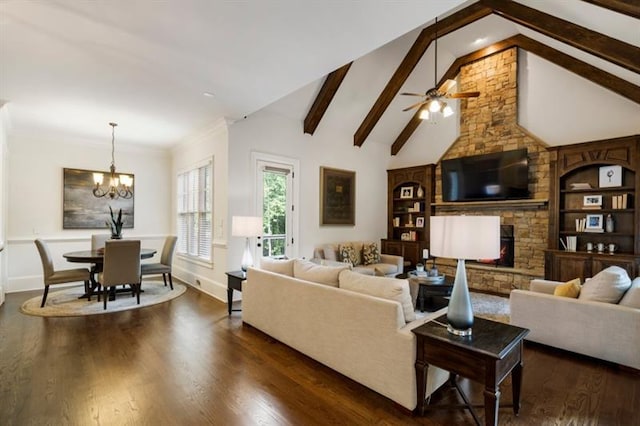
(186, 363)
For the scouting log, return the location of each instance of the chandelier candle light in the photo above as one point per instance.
(463, 237)
(119, 187)
(248, 227)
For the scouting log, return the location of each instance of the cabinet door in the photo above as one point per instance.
(567, 266)
(600, 263)
(392, 247)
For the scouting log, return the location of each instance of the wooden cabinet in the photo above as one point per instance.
(409, 206)
(582, 190)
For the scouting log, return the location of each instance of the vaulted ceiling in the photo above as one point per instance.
(612, 50)
(67, 68)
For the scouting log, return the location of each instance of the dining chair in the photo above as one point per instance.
(51, 276)
(166, 259)
(98, 240)
(121, 266)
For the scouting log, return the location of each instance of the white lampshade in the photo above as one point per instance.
(424, 114)
(465, 237)
(246, 226)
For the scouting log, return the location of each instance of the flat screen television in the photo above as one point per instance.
(496, 176)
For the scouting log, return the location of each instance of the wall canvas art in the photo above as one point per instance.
(337, 197)
(82, 210)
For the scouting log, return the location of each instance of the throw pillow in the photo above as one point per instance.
(329, 252)
(348, 254)
(320, 274)
(608, 285)
(385, 288)
(370, 254)
(284, 267)
(632, 297)
(568, 289)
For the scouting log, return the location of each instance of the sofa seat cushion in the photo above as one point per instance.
(631, 298)
(385, 288)
(284, 267)
(321, 274)
(608, 285)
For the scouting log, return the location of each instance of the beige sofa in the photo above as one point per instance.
(389, 265)
(607, 331)
(364, 337)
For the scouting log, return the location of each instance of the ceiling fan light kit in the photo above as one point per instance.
(433, 100)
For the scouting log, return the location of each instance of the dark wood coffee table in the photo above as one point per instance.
(487, 356)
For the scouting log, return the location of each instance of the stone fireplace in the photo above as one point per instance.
(489, 124)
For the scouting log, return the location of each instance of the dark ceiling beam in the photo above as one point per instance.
(605, 47)
(325, 96)
(627, 7)
(583, 69)
(417, 50)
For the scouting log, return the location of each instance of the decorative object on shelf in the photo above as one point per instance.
(79, 206)
(592, 202)
(461, 238)
(600, 247)
(420, 267)
(119, 187)
(396, 221)
(589, 247)
(594, 223)
(420, 192)
(580, 185)
(406, 192)
(405, 236)
(337, 197)
(610, 176)
(609, 224)
(420, 222)
(248, 227)
(612, 248)
(115, 225)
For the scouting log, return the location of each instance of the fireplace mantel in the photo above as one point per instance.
(492, 205)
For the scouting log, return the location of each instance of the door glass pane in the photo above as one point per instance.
(274, 213)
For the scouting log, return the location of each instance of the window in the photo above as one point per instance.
(194, 212)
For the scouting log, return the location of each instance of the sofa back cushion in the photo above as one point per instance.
(321, 274)
(608, 285)
(385, 288)
(632, 297)
(284, 267)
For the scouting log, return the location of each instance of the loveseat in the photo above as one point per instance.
(600, 323)
(336, 321)
(365, 258)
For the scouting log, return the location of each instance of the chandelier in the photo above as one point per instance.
(119, 186)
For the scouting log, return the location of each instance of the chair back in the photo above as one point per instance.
(167, 251)
(121, 262)
(45, 257)
(98, 240)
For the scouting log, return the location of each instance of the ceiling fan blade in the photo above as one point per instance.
(412, 94)
(416, 105)
(464, 95)
(446, 86)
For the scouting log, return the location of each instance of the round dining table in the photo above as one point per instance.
(96, 257)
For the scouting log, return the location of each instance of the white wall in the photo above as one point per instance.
(269, 132)
(210, 142)
(4, 186)
(36, 196)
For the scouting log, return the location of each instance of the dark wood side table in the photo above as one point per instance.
(234, 282)
(488, 356)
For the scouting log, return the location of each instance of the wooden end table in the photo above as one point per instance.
(234, 282)
(487, 356)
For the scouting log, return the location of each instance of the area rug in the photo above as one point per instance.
(65, 303)
(490, 307)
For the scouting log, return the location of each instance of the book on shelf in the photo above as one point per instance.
(619, 201)
(580, 185)
(594, 230)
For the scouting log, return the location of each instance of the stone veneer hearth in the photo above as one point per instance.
(489, 124)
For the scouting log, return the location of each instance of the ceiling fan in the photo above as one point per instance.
(434, 97)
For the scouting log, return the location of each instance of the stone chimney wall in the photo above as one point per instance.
(489, 123)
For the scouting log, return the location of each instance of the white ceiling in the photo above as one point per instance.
(68, 67)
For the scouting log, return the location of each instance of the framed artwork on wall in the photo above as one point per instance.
(337, 197)
(82, 210)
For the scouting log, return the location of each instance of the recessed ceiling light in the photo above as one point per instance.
(479, 40)
(208, 94)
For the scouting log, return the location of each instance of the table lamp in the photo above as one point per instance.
(246, 226)
(463, 237)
